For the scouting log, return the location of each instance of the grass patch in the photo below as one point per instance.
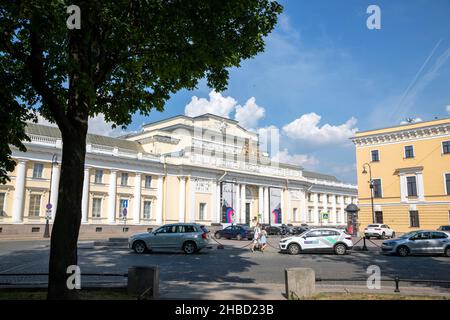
(84, 294)
(371, 296)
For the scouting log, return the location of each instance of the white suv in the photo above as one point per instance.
(320, 239)
(378, 230)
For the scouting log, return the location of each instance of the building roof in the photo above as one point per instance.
(50, 131)
(319, 176)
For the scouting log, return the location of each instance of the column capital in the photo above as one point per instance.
(21, 160)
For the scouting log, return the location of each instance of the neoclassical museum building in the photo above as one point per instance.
(204, 169)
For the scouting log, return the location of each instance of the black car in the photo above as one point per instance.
(300, 230)
(274, 230)
(238, 232)
(444, 228)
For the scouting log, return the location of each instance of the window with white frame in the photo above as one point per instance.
(295, 214)
(310, 215)
(409, 152)
(2, 204)
(34, 207)
(96, 207)
(38, 168)
(98, 176)
(411, 184)
(148, 182)
(202, 211)
(447, 182)
(446, 147)
(124, 179)
(375, 156)
(147, 209)
(123, 204)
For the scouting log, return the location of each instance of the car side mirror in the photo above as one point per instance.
(304, 237)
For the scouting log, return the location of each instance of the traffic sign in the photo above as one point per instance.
(124, 212)
(125, 203)
(49, 206)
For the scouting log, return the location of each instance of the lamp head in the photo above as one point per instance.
(364, 170)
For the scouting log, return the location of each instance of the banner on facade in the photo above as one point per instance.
(275, 205)
(228, 194)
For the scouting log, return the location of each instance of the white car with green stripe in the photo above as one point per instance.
(318, 240)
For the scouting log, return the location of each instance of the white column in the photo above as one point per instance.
(237, 206)
(192, 200)
(243, 200)
(182, 199)
(159, 201)
(282, 206)
(333, 209)
(137, 199)
(19, 192)
(289, 214)
(261, 203)
(303, 206)
(403, 188)
(266, 216)
(85, 197)
(316, 207)
(55, 188)
(420, 190)
(325, 207)
(218, 204)
(112, 196)
(342, 210)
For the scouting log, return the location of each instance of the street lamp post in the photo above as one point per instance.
(371, 187)
(49, 204)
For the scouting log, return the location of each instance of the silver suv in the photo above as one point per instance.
(188, 237)
(419, 242)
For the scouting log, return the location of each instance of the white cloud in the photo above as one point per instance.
(96, 125)
(307, 128)
(249, 115)
(448, 109)
(217, 104)
(269, 139)
(296, 159)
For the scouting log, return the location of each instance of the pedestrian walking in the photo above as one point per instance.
(263, 240)
(256, 235)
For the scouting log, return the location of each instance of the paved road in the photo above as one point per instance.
(232, 264)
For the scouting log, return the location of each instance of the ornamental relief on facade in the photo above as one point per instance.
(202, 185)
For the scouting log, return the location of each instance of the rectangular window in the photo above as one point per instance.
(148, 182)
(377, 192)
(412, 186)
(409, 152)
(295, 214)
(37, 170)
(98, 176)
(96, 207)
(375, 156)
(319, 197)
(309, 197)
(123, 208)
(329, 199)
(147, 209)
(446, 147)
(378, 216)
(2, 204)
(124, 179)
(202, 211)
(35, 205)
(310, 215)
(447, 182)
(414, 219)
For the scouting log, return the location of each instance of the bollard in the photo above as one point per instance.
(300, 283)
(397, 280)
(143, 281)
(364, 248)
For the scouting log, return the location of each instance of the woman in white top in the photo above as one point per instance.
(256, 234)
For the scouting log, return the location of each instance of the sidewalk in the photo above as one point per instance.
(274, 291)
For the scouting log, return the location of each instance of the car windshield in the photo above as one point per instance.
(373, 225)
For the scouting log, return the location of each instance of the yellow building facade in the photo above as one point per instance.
(204, 169)
(410, 169)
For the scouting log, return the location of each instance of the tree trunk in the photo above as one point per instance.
(64, 238)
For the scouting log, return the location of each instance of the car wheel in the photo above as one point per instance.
(294, 248)
(402, 251)
(340, 249)
(383, 236)
(393, 235)
(139, 247)
(217, 235)
(189, 247)
(447, 252)
(238, 237)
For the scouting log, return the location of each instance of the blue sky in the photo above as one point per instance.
(322, 62)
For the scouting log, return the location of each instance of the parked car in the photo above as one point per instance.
(188, 237)
(444, 228)
(317, 240)
(418, 242)
(287, 229)
(238, 232)
(300, 230)
(378, 230)
(275, 230)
